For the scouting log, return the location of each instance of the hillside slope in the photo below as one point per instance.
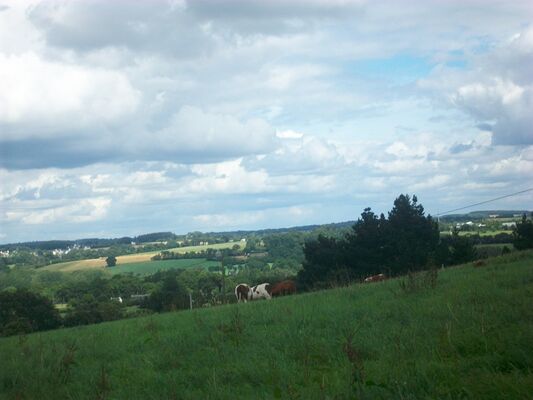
(469, 337)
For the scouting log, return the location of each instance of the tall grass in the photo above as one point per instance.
(470, 335)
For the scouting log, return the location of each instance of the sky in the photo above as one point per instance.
(119, 118)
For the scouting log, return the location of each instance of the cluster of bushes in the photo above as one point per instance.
(22, 311)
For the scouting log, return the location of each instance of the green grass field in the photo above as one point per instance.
(99, 263)
(150, 267)
(470, 337)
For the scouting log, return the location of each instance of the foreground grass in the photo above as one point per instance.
(470, 337)
(100, 263)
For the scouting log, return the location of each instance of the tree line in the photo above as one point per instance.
(406, 240)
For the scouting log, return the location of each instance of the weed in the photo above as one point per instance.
(358, 369)
(153, 328)
(417, 281)
(234, 329)
(66, 362)
(102, 385)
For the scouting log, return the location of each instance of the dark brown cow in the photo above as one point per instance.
(283, 288)
(376, 278)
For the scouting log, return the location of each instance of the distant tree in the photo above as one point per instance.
(172, 295)
(462, 249)
(287, 245)
(251, 244)
(455, 249)
(4, 264)
(523, 234)
(88, 310)
(406, 240)
(323, 257)
(411, 236)
(111, 261)
(22, 311)
(366, 247)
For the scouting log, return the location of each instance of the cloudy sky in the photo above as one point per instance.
(127, 117)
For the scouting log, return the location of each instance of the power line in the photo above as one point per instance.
(484, 202)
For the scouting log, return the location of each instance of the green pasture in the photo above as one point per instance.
(100, 263)
(151, 267)
(468, 337)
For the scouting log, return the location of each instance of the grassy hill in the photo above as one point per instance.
(99, 263)
(470, 336)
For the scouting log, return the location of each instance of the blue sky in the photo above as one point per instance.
(121, 118)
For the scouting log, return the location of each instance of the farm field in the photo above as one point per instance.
(151, 267)
(469, 337)
(480, 233)
(99, 263)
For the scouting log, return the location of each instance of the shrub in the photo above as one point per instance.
(22, 311)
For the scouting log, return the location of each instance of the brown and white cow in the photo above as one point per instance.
(243, 292)
(376, 278)
(262, 291)
(283, 288)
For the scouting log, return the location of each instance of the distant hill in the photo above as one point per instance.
(161, 236)
(90, 242)
(304, 228)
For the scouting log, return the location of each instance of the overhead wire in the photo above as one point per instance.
(484, 202)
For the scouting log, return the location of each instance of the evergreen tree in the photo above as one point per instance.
(407, 240)
(323, 257)
(523, 234)
(366, 248)
(411, 237)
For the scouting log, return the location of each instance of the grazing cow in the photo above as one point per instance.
(262, 291)
(283, 288)
(479, 263)
(243, 292)
(375, 278)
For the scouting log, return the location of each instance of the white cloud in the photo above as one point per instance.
(222, 221)
(191, 130)
(69, 97)
(437, 181)
(496, 90)
(299, 155)
(86, 210)
(289, 134)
